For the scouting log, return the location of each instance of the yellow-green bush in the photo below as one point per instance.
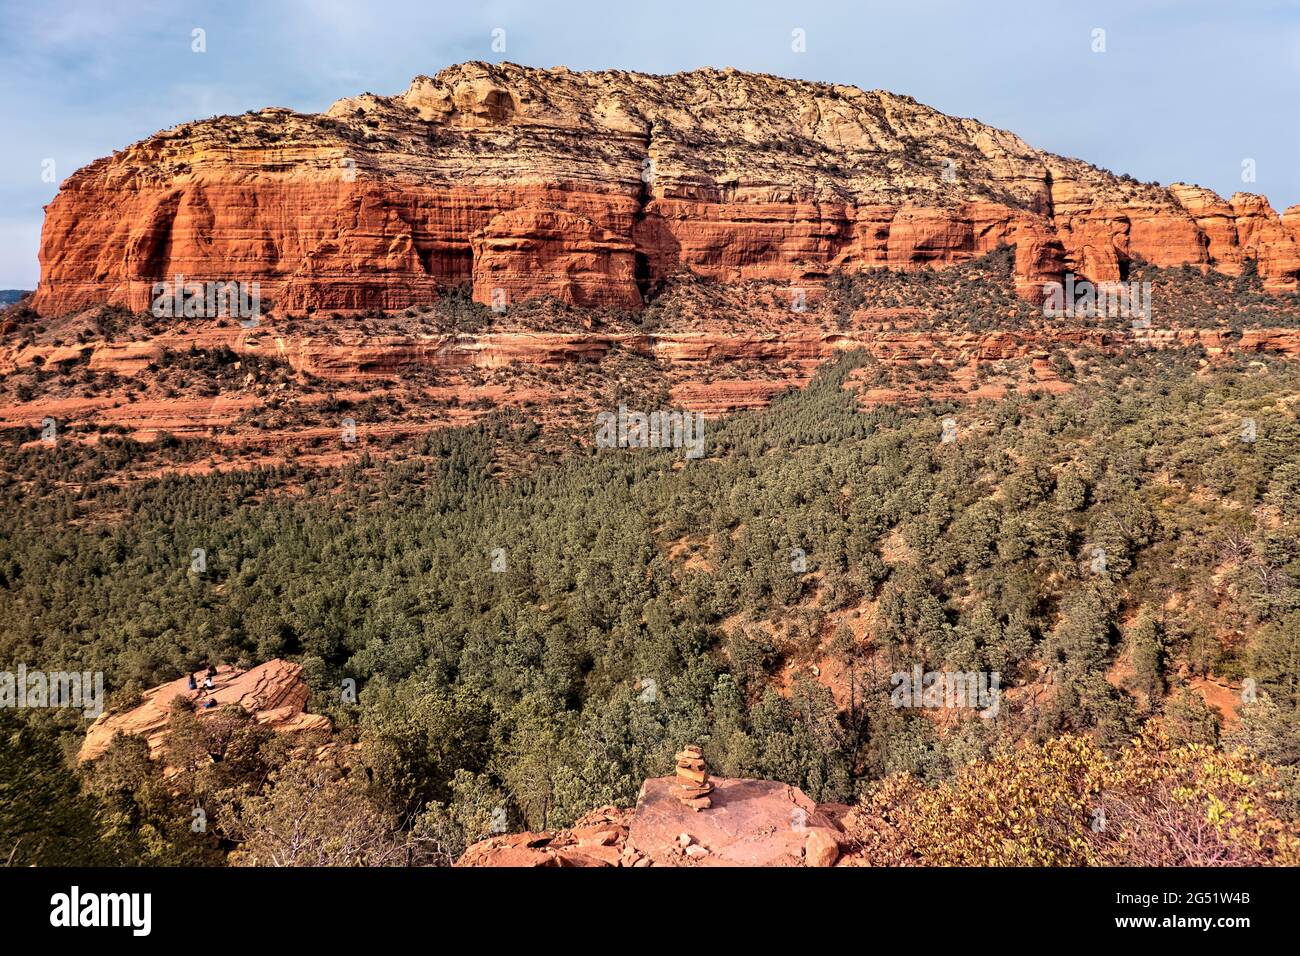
(1065, 803)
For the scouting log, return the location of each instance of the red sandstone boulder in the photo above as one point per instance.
(821, 849)
(598, 839)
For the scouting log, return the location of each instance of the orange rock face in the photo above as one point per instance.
(592, 187)
(274, 693)
(567, 254)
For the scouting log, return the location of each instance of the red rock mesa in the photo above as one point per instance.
(592, 187)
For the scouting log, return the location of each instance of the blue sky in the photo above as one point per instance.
(1185, 90)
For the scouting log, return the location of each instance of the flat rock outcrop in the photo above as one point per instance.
(593, 187)
(274, 693)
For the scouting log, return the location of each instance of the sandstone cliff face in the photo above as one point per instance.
(593, 186)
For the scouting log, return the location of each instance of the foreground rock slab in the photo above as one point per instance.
(750, 823)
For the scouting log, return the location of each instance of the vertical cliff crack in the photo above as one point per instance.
(645, 283)
(1049, 181)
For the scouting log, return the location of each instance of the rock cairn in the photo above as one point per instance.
(693, 787)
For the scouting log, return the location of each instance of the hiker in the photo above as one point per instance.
(193, 684)
(207, 682)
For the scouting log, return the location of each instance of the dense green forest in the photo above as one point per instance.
(523, 687)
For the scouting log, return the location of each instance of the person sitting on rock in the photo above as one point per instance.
(193, 684)
(207, 682)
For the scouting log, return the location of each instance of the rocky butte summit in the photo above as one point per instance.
(593, 187)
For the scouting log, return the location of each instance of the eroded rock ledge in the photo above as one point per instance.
(274, 693)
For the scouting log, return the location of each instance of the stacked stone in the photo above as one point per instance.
(693, 787)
